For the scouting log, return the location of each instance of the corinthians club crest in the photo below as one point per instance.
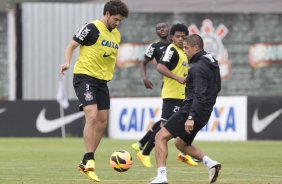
(88, 96)
(213, 44)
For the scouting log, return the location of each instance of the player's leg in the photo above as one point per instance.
(88, 163)
(168, 108)
(139, 145)
(161, 139)
(92, 136)
(151, 143)
(103, 106)
(86, 90)
(184, 144)
(192, 149)
(89, 136)
(171, 106)
(90, 112)
(144, 155)
(100, 126)
(172, 128)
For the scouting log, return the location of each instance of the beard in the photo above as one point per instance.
(109, 26)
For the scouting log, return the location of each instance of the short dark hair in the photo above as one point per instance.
(195, 39)
(162, 23)
(116, 7)
(180, 28)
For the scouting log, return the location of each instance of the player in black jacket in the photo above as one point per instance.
(202, 87)
(172, 103)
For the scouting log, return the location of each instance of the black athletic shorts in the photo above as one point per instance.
(170, 106)
(90, 90)
(176, 126)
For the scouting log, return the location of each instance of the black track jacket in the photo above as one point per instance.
(202, 86)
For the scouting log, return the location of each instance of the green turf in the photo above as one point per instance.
(53, 161)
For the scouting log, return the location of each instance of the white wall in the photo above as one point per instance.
(47, 29)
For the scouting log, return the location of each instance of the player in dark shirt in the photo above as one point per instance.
(202, 88)
(172, 93)
(155, 51)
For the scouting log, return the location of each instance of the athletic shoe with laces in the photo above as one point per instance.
(88, 169)
(213, 172)
(90, 165)
(136, 147)
(145, 159)
(158, 180)
(186, 159)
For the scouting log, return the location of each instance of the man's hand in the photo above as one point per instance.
(189, 126)
(148, 84)
(181, 80)
(63, 68)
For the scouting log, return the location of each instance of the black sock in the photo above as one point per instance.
(147, 136)
(88, 156)
(151, 143)
(156, 125)
(145, 139)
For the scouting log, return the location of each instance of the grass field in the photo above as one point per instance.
(53, 161)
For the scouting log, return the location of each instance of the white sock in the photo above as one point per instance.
(161, 172)
(209, 162)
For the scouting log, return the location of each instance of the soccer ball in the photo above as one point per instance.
(121, 160)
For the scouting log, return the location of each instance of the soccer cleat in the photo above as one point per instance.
(136, 147)
(186, 159)
(145, 159)
(213, 173)
(157, 180)
(90, 165)
(88, 169)
(92, 176)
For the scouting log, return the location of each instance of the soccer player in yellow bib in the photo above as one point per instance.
(172, 103)
(98, 42)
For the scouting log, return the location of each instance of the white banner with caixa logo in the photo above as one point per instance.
(130, 118)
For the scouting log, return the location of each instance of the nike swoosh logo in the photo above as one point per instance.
(44, 125)
(260, 124)
(161, 48)
(2, 110)
(106, 55)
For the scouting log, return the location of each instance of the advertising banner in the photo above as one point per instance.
(265, 54)
(39, 119)
(228, 121)
(265, 118)
(130, 118)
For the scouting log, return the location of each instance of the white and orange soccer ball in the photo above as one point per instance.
(121, 160)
